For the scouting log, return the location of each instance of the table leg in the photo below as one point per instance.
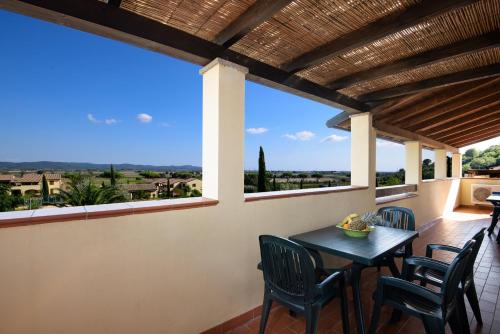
(494, 220)
(356, 293)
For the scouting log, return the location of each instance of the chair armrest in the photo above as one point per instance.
(432, 247)
(421, 291)
(328, 284)
(427, 263)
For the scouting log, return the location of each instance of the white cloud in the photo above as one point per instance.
(334, 138)
(302, 135)
(144, 118)
(92, 119)
(257, 131)
(165, 125)
(108, 121)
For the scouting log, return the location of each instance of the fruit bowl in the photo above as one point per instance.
(356, 233)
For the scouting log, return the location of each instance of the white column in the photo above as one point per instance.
(223, 130)
(440, 164)
(363, 152)
(413, 166)
(456, 165)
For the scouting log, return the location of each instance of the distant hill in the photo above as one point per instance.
(73, 166)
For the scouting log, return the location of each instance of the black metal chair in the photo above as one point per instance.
(435, 277)
(435, 309)
(396, 217)
(291, 279)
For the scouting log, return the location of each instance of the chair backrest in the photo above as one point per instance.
(397, 217)
(288, 268)
(455, 274)
(478, 238)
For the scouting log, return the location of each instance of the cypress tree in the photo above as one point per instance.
(301, 184)
(112, 175)
(261, 178)
(168, 188)
(274, 183)
(45, 189)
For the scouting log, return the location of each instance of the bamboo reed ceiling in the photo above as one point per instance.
(394, 58)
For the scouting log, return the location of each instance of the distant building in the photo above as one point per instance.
(136, 190)
(31, 184)
(178, 187)
(493, 172)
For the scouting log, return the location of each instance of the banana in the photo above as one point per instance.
(350, 218)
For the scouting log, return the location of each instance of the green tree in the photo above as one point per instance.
(427, 169)
(317, 176)
(112, 175)
(150, 174)
(169, 191)
(81, 191)
(45, 189)
(261, 179)
(303, 175)
(274, 183)
(195, 193)
(6, 203)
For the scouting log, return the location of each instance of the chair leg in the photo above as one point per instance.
(394, 269)
(376, 312)
(433, 325)
(266, 308)
(455, 323)
(461, 314)
(474, 302)
(344, 308)
(312, 319)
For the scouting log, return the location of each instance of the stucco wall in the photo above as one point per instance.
(170, 272)
(465, 188)
(435, 197)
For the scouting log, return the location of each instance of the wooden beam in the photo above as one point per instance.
(383, 110)
(477, 116)
(385, 26)
(477, 140)
(464, 111)
(443, 53)
(492, 133)
(405, 135)
(443, 97)
(473, 131)
(445, 80)
(114, 3)
(97, 17)
(470, 126)
(458, 101)
(259, 12)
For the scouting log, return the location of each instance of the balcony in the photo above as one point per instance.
(189, 265)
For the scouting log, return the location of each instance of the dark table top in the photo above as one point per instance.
(493, 198)
(380, 242)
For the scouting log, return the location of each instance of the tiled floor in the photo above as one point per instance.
(457, 228)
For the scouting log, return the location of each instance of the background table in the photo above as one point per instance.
(495, 200)
(364, 252)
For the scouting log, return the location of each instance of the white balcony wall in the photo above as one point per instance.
(178, 271)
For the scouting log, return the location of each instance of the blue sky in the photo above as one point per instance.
(66, 95)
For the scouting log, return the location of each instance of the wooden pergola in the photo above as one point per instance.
(426, 69)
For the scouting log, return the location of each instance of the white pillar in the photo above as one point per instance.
(413, 167)
(456, 165)
(363, 152)
(440, 164)
(223, 130)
